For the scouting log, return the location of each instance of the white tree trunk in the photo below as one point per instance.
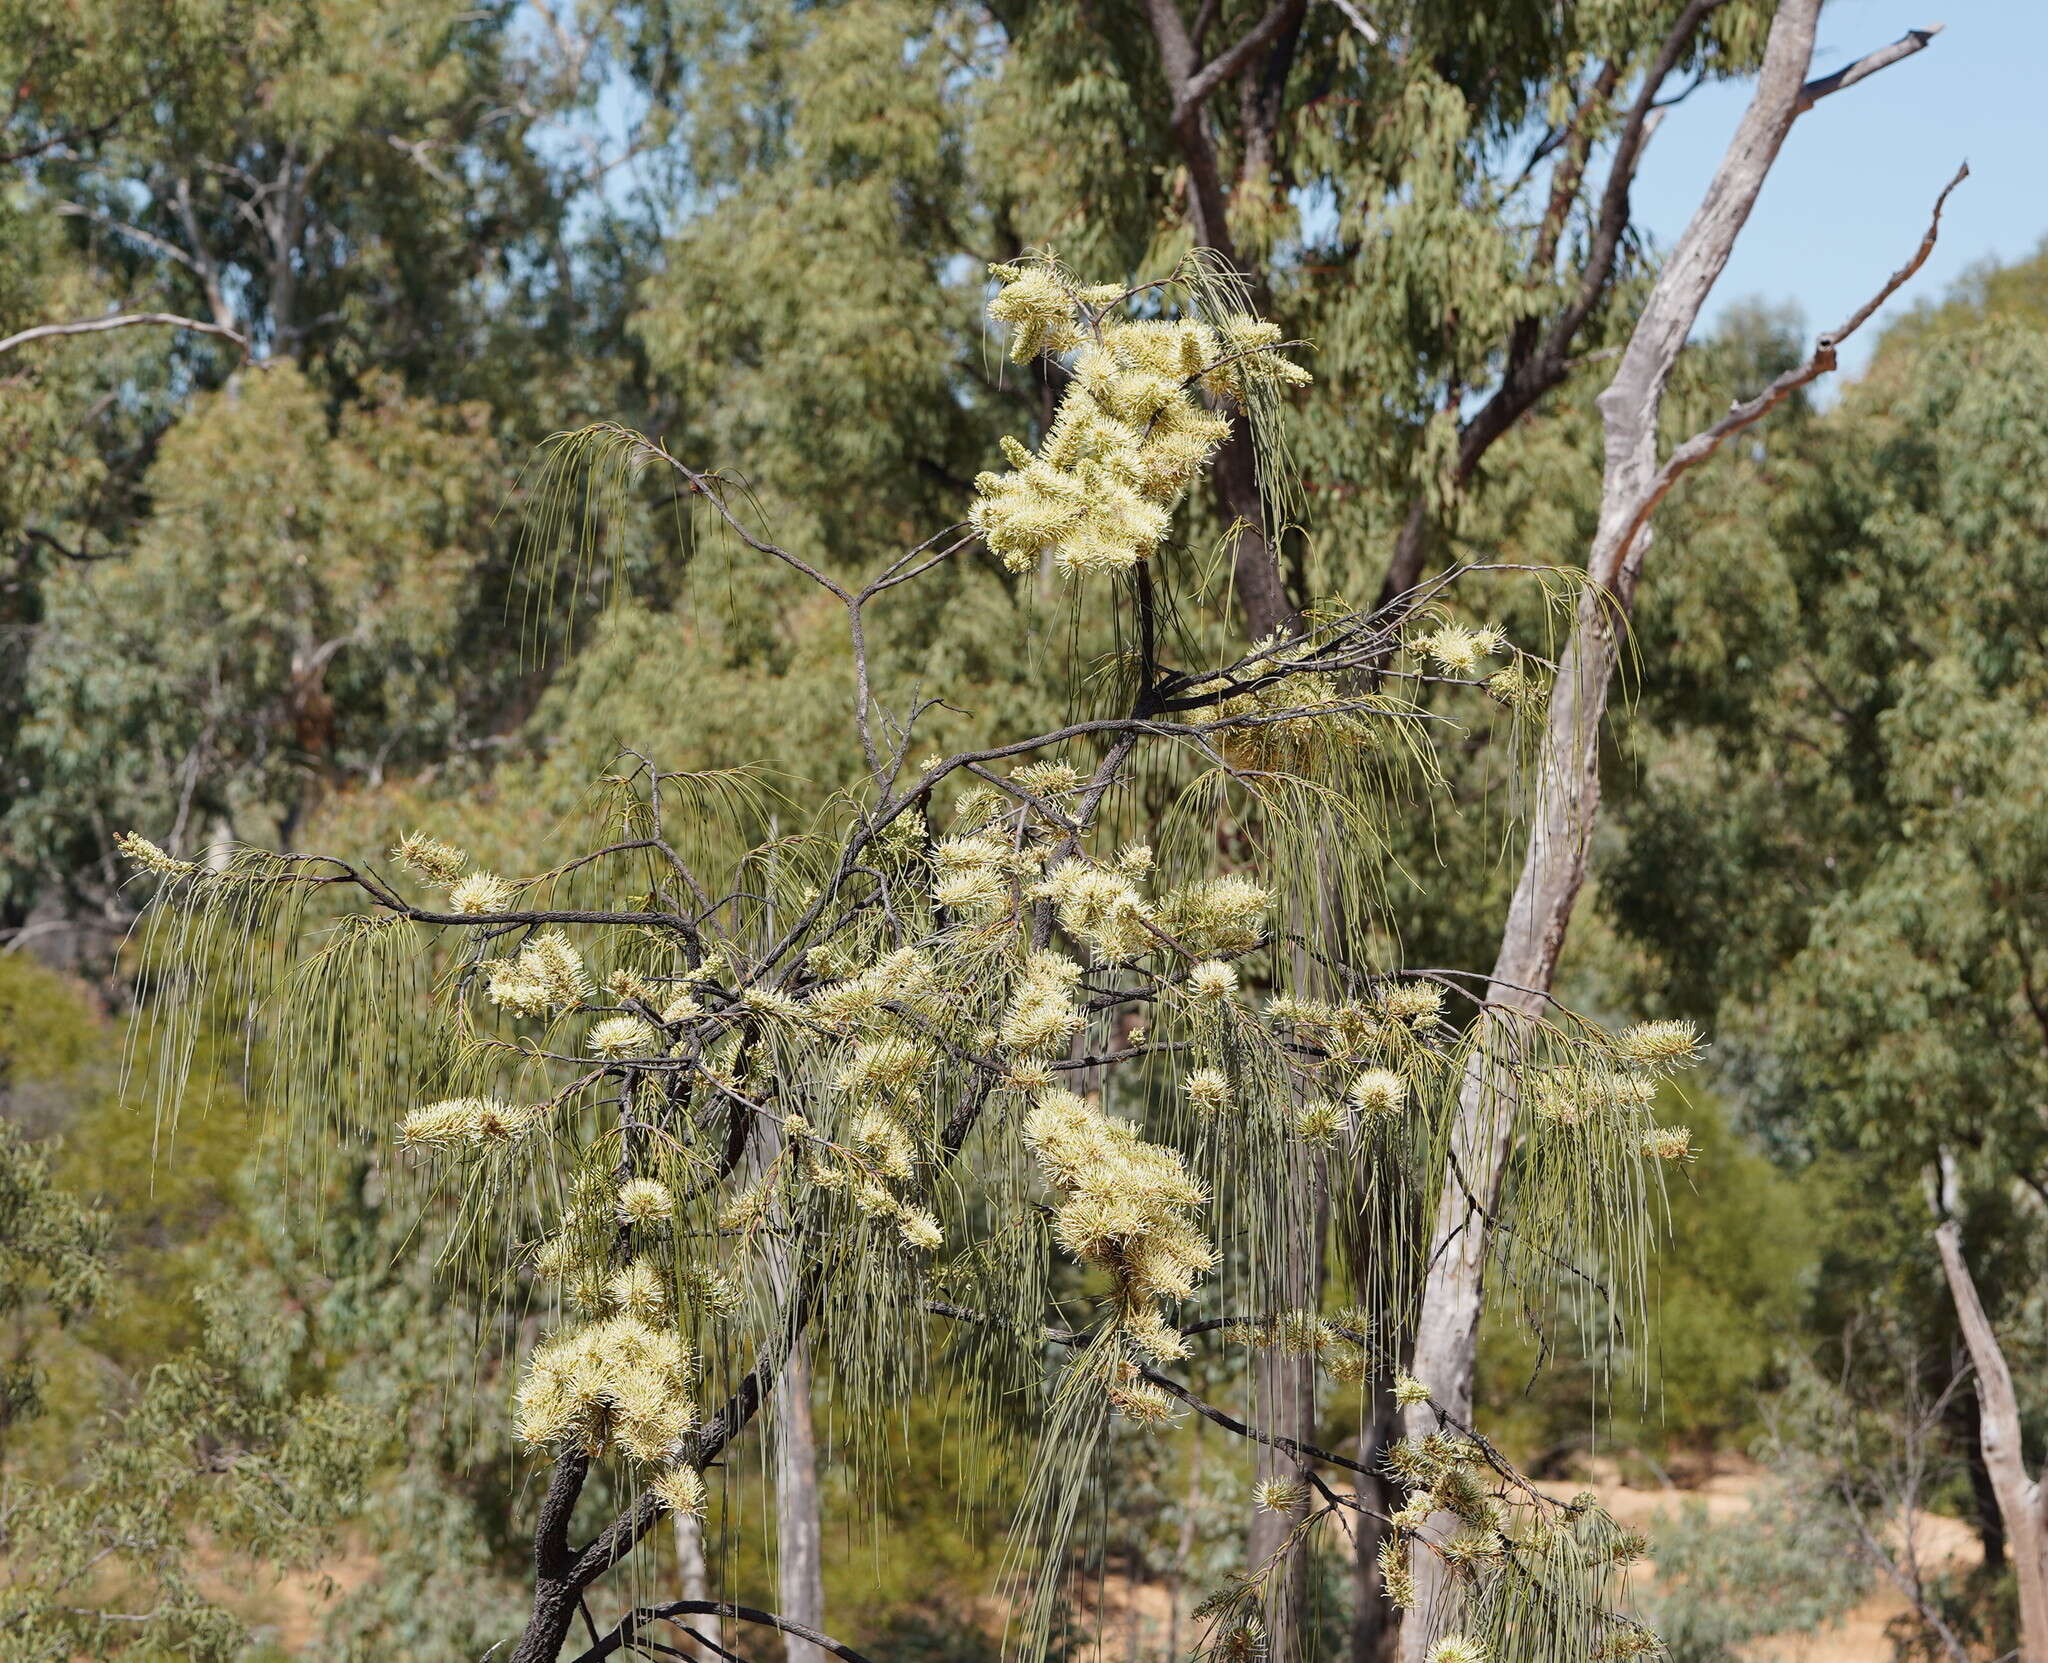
(799, 1525)
(1998, 1420)
(1286, 1396)
(1567, 795)
(694, 1577)
(799, 1528)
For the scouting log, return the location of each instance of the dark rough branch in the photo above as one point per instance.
(621, 1635)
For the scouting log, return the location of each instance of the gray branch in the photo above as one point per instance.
(1913, 40)
(121, 320)
(1747, 412)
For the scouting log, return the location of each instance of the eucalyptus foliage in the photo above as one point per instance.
(97, 1559)
(1842, 751)
(1853, 769)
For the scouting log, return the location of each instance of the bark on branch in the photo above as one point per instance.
(1539, 360)
(1746, 412)
(1913, 40)
(121, 320)
(1191, 94)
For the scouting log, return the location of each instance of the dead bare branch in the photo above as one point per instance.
(1747, 412)
(121, 320)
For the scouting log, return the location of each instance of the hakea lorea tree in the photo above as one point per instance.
(1028, 1062)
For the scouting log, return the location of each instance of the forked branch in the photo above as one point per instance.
(1747, 412)
(622, 1635)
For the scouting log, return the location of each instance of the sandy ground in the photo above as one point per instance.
(1860, 1636)
(289, 1610)
(1137, 1617)
(285, 1610)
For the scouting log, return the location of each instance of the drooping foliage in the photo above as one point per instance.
(1098, 996)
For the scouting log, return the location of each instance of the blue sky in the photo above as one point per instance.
(1850, 195)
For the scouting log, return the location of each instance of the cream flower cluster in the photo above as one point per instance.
(475, 1122)
(1125, 1206)
(1131, 433)
(622, 1381)
(546, 976)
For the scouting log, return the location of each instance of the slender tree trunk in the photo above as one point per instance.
(1404, 567)
(2020, 1499)
(1567, 794)
(1262, 598)
(1285, 1405)
(799, 1528)
(1178, 1575)
(1969, 1420)
(1287, 1408)
(1375, 1623)
(800, 1537)
(693, 1573)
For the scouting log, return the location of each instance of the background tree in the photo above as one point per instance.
(1853, 794)
(331, 620)
(96, 1546)
(363, 201)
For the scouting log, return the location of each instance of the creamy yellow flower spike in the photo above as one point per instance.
(1125, 1205)
(1131, 433)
